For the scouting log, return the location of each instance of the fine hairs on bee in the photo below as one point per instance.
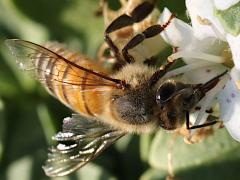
(135, 98)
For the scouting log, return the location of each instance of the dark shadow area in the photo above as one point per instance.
(132, 165)
(177, 7)
(221, 171)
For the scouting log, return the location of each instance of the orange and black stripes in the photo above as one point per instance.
(75, 88)
(84, 93)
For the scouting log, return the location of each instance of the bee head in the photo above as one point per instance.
(174, 99)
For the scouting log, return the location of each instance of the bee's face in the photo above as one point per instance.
(174, 99)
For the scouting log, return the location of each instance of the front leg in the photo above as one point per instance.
(197, 126)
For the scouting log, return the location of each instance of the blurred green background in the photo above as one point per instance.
(29, 116)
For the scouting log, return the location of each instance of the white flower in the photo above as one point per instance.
(206, 48)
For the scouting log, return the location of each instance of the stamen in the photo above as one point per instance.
(203, 21)
(196, 55)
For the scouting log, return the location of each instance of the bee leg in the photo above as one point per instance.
(113, 48)
(147, 33)
(197, 126)
(187, 120)
(106, 59)
(137, 15)
(160, 73)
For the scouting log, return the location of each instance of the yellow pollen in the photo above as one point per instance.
(227, 55)
(203, 21)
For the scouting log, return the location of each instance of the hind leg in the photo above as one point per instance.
(137, 15)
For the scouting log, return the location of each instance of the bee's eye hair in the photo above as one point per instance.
(165, 92)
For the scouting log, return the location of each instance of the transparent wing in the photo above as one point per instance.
(56, 66)
(79, 142)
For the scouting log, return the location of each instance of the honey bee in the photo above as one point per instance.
(134, 99)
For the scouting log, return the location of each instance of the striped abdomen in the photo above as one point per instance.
(80, 90)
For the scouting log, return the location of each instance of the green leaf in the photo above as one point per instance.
(221, 170)
(20, 24)
(20, 169)
(46, 122)
(24, 135)
(129, 164)
(226, 167)
(229, 18)
(122, 144)
(154, 174)
(145, 142)
(79, 16)
(92, 171)
(217, 148)
(2, 128)
(70, 22)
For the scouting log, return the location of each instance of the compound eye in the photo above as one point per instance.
(165, 92)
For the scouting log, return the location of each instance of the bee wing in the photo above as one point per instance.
(49, 67)
(79, 142)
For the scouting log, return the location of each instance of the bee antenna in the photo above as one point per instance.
(204, 88)
(160, 73)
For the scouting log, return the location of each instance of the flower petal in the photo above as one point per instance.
(199, 10)
(229, 101)
(234, 43)
(203, 74)
(223, 5)
(208, 101)
(177, 33)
